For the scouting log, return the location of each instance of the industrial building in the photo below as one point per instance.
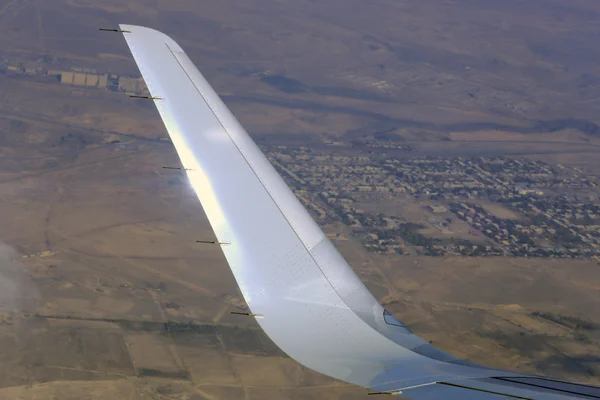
(82, 79)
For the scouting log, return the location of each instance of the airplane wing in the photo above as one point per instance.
(299, 288)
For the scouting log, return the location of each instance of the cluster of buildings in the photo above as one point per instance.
(549, 222)
(538, 234)
(91, 78)
(498, 179)
(81, 77)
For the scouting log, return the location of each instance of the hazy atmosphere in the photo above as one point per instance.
(449, 148)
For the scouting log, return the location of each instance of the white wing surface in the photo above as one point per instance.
(304, 295)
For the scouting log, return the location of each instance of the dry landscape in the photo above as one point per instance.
(104, 292)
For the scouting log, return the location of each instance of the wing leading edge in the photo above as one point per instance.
(306, 297)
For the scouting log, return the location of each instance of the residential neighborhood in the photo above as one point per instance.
(547, 218)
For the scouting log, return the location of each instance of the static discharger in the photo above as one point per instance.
(246, 314)
(212, 242)
(179, 168)
(133, 96)
(396, 393)
(113, 30)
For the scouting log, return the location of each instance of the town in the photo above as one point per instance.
(554, 209)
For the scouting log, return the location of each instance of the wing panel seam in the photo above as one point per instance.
(551, 389)
(249, 162)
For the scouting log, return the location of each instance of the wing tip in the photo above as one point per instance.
(149, 34)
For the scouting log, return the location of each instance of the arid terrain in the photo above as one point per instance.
(104, 292)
